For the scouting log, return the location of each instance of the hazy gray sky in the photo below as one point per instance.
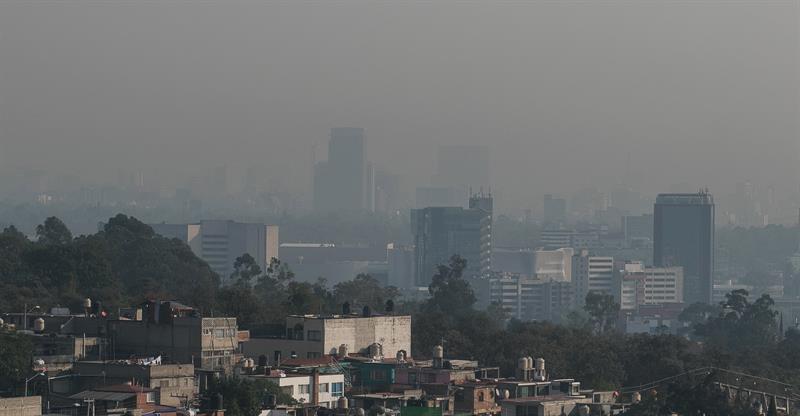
(702, 92)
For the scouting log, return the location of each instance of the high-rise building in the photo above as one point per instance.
(555, 211)
(219, 243)
(441, 232)
(637, 229)
(340, 183)
(592, 274)
(683, 235)
(555, 238)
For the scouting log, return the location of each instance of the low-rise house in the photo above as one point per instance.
(179, 334)
(441, 371)
(120, 400)
(477, 399)
(545, 406)
(174, 384)
(316, 387)
(312, 336)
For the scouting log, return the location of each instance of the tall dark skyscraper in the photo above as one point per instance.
(683, 235)
(341, 181)
(441, 232)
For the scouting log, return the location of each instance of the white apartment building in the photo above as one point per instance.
(553, 265)
(219, 242)
(532, 299)
(321, 389)
(642, 285)
(592, 273)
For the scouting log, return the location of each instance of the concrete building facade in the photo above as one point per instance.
(312, 336)
(532, 299)
(179, 335)
(219, 242)
(640, 285)
(592, 273)
(554, 265)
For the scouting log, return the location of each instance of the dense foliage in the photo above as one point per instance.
(16, 353)
(119, 265)
(242, 397)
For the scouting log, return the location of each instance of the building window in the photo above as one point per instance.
(323, 387)
(305, 388)
(288, 390)
(481, 397)
(151, 397)
(314, 335)
(219, 333)
(412, 378)
(378, 375)
(337, 389)
(313, 355)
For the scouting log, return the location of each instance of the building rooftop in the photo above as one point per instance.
(700, 198)
(542, 399)
(345, 316)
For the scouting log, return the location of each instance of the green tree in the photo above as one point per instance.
(245, 268)
(364, 290)
(53, 231)
(741, 324)
(16, 357)
(243, 397)
(603, 311)
(450, 292)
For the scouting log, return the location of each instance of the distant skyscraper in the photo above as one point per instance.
(441, 232)
(683, 235)
(340, 183)
(555, 211)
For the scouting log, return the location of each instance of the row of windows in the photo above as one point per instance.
(220, 332)
(335, 389)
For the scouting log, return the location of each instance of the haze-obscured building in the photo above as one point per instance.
(555, 211)
(592, 273)
(554, 265)
(530, 299)
(341, 182)
(683, 235)
(220, 242)
(637, 229)
(441, 232)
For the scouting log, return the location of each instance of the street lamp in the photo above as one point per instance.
(25, 315)
(29, 379)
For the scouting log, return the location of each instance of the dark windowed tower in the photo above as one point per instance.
(441, 232)
(683, 235)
